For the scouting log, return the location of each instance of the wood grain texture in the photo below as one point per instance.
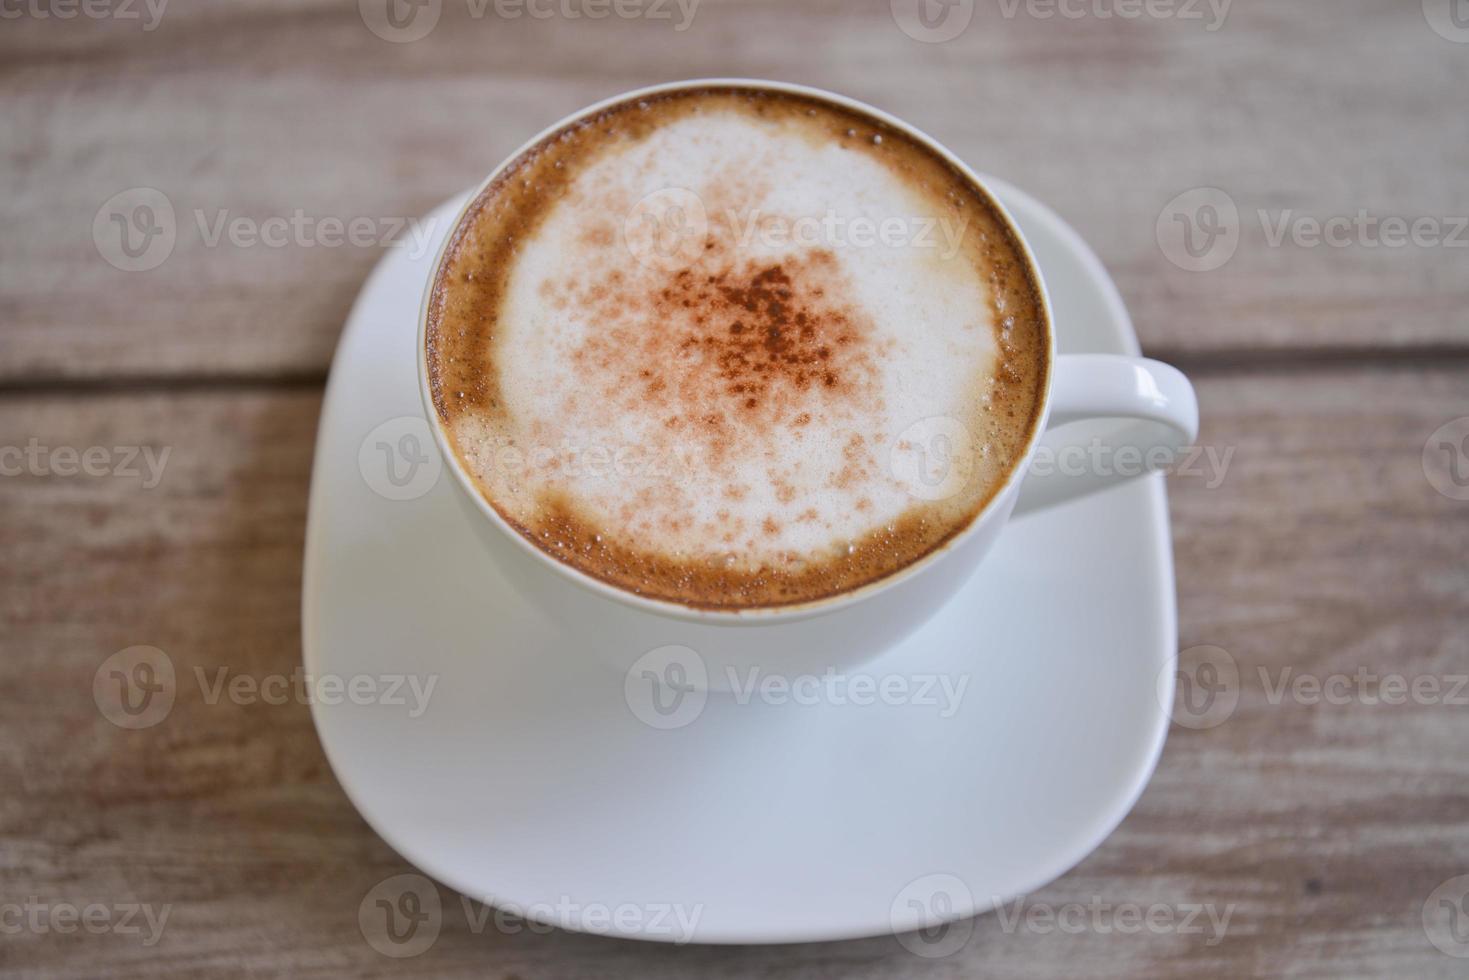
(1320, 548)
(1319, 554)
(1320, 108)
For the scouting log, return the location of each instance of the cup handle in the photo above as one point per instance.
(1112, 418)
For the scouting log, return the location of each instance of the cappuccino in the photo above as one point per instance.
(735, 348)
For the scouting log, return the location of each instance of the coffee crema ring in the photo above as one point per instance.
(696, 405)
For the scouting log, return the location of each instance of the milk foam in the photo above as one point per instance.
(585, 336)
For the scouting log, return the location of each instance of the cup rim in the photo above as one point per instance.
(754, 615)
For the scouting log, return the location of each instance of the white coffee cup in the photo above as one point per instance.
(841, 631)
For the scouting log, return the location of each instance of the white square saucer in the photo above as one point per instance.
(529, 782)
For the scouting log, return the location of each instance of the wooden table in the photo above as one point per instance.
(1325, 552)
